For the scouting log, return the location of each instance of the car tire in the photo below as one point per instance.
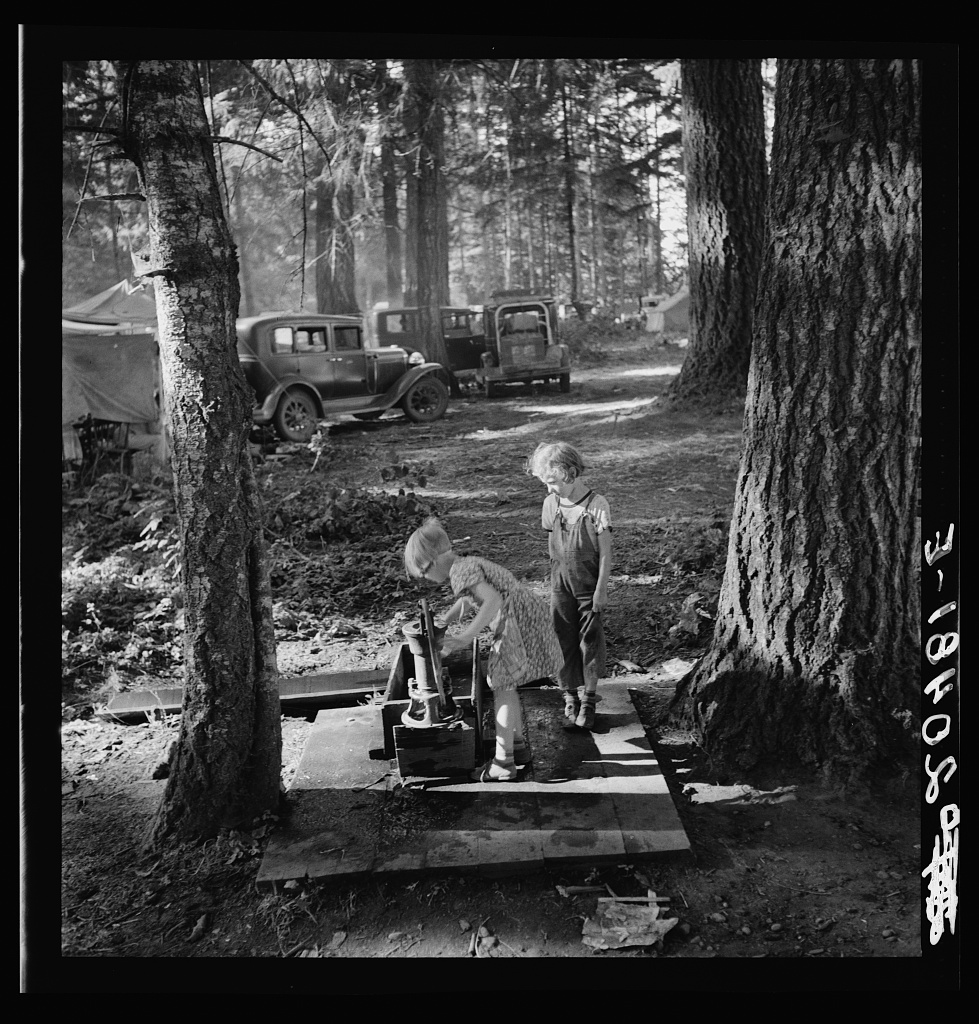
(295, 417)
(426, 400)
(565, 380)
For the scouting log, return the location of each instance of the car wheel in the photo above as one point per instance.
(426, 400)
(565, 380)
(295, 417)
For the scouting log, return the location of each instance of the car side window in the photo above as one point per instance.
(310, 339)
(282, 340)
(347, 339)
(394, 323)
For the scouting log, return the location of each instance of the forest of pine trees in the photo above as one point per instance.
(564, 176)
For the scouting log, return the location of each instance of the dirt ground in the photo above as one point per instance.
(783, 870)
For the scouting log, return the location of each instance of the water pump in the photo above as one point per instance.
(430, 692)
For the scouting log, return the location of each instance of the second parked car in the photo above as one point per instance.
(309, 366)
(462, 331)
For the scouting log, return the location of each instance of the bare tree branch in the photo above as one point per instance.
(268, 85)
(113, 197)
(247, 145)
(88, 168)
(97, 130)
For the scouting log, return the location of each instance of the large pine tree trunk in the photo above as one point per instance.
(425, 123)
(225, 767)
(335, 272)
(815, 651)
(724, 164)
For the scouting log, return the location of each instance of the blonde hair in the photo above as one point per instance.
(425, 545)
(559, 456)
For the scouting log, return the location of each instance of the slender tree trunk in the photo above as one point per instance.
(392, 228)
(569, 199)
(244, 275)
(488, 248)
(389, 194)
(815, 651)
(507, 219)
(225, 766)
(724, 160)
(659, 280)
(531, 252)
(411, 229)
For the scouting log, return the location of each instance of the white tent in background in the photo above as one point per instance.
(672, 314)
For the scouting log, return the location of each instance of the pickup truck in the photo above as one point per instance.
(522, 343)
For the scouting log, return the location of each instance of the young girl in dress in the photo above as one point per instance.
(524, 645)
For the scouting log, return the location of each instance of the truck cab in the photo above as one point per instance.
(522, 343)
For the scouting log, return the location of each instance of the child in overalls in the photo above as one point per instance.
(524, 646)
(579, 525)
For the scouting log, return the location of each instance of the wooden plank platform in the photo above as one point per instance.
(587, 798)
(328, 689)
(301, 693)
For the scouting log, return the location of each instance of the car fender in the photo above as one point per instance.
(267, 408)
(396, 393)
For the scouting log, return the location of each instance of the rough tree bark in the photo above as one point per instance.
(724, 165)
(815, 657)
(225, 766)
(426, 130)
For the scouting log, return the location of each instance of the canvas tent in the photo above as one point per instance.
(110, 368)
(672, 314)
(122, 305)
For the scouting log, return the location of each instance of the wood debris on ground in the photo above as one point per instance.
(627, 921)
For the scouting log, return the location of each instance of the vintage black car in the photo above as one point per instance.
(309, 366)
(462, 331)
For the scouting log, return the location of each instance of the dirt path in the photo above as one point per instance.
(783, 869)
